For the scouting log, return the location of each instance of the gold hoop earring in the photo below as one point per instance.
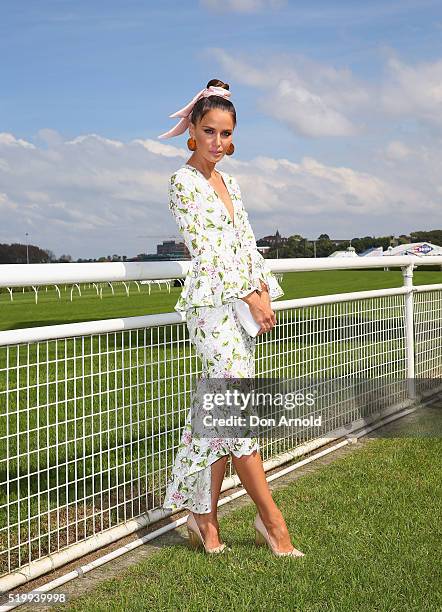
(191, 144)
(231, 149)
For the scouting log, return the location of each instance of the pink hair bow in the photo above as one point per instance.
(183, 124)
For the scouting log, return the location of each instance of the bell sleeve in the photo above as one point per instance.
(217, 275)
(260, 268)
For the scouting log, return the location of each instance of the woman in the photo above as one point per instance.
(226, 266)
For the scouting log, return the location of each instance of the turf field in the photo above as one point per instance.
(367, 526)
(23, 312)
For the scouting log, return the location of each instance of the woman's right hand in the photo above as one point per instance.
(261, 311)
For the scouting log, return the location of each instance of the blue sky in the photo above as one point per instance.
(338, 105)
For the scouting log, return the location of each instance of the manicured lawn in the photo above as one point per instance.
(368, 524)
(23, 312)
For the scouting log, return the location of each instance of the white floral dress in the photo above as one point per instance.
(225, 266)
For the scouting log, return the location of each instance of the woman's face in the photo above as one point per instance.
(213, 134)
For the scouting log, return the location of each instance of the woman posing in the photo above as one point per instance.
(226, 266)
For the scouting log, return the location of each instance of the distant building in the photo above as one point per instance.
(272, 241)
(372, 252)
(263, 249)
(349, 252)
(422, 249)
(171, 249)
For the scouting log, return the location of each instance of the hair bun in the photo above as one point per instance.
(217, 83)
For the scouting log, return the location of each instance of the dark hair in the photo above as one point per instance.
(204, 105)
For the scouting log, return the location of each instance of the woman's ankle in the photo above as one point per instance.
(271, 517)
(207, 523)
(209, 528)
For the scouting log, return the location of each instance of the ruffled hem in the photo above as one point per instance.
(262, 272)
(216, 283)
(192, 490)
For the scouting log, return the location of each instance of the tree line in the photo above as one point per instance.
(293, 246)
(298, 246)
(20, 253)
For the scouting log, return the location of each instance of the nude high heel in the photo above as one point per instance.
(196, 539)
(262, 538)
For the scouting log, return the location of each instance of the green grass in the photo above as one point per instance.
(23, 312)
(368, 524)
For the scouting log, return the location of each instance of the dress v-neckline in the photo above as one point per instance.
(217, 195)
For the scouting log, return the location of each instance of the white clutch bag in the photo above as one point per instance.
(245, 317)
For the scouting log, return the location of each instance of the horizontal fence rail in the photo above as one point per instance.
(21, 275)
(91, 413)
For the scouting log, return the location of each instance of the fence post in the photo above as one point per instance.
(407, 273)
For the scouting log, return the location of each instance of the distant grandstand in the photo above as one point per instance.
(349, 252)
(420, 249)
(372, 252)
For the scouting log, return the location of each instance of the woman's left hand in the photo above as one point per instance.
(265, 297)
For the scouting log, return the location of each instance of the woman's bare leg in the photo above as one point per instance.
(251, 473)
(208, 522)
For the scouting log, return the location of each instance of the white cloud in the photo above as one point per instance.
(6, 203)
(11, 141)
(311, 99)
(397, 150)
(331, 15)
(92, 139)
(97, 198)
(50, 137)
(307, 113)
(314, 99)
(243, 6)
(161, 149)
(413, 91)
(416, 167)
(291, 191)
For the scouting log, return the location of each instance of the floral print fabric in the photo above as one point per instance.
(226, 351)
(226, 264)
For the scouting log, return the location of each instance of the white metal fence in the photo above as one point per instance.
(91, 413)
